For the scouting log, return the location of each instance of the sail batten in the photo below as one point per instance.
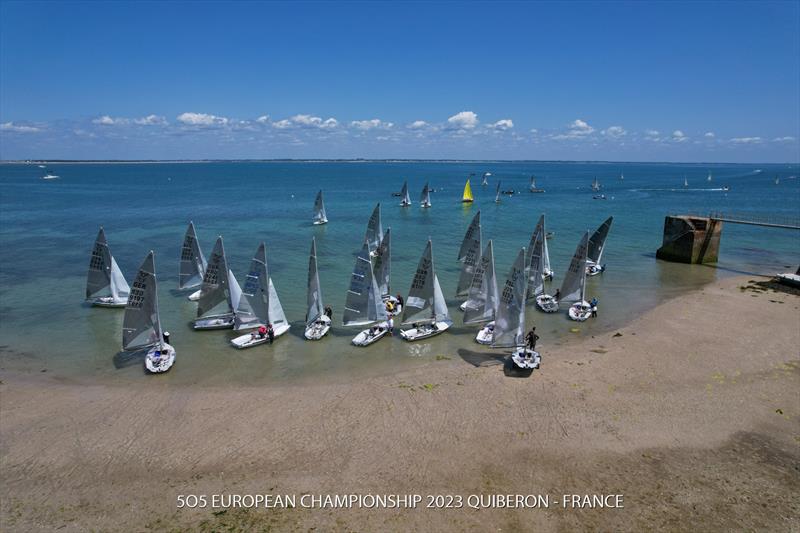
(469, 254)
(141, 326)
(482, 300)
(509, 323)
(193, 263)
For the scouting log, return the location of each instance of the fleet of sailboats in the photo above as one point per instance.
(219, 293)
(192, 264)
(425, 308)
(105, 284)
(317, 322)
(320, 217)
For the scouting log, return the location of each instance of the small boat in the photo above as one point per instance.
(547, 272)
(425, 309)
(363, 304)
(105, 284)
(141, 327)
(193, 263)
(621, 176)
(599, 197)
(777, 180)
(574, 287)
(726, 188)
(42, 166)
(320, 217)
(595, 185)
(597, 243)
(481, 303)
(50, 176)
(533, 187)
(497, 193)
(469, 255)
(425, 197)
(406, 199)
(685, 182)
(219, 294)
(708, 179)
(467, 198)
(509, 192)
(485, 179)
(259, 305)
(536, 265)
(317, 322)
(374, 231)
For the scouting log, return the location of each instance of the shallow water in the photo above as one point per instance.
(47, 229)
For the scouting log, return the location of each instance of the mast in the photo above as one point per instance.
(314, 299)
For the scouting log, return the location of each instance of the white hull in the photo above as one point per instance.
(580, 311)
(463, 306)
(367, 337)
(320, 222)
(397, 307)
(51, 177)
(195, 295)
(248, 341)
(526, 359)
(547, 303)
(214, 322)
(318, 329)
(108, 301)
(404, 204)
(425, 205)
(486, 334)
(547, 275)
(157, 364)
(424, 332)
(593, 269)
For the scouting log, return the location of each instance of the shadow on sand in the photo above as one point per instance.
(128, 359)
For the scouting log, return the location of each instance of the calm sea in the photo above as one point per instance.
(47, 230)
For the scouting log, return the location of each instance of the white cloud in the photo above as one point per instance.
(503, 124)
(678, 136)
(18, 128)
(202, 119)
(579, 127)
(463, 120)
(263, 119)
(371, 124)
(417, 125)
(282, 124)
(534, 130)
(614, 132)
(151, 120)
(652, 133)
(746, 140)
(306, 121)
(106, 120)
(783, 139)
(709, 135)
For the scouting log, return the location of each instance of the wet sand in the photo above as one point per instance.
(691, 412)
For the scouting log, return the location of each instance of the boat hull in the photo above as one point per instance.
(593, 269)
(214, 322)
(108, 301)
(547, 303)
(525, 359)
(195, 296)
(318, 329)
(366, 337)
(580, 311)
(486, 334)
(156, 362)
(424, 332)
(247, 341)
(320, 222)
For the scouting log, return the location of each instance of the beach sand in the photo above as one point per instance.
(691, 412)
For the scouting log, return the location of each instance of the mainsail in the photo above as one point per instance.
(536, 264)
(104, 277)
(595, 185)
(509, 324)
(469, 254)
(276, 314)
(425, 198)
(141, 327)
(193, 263)
(319, 209)
(217, 295)
(545, 256)
(497, 193)
(485, 180)
(374, 229)
(467, 196)
(574, 284)
(418, 306)
(482, 301)
(363, 304)
(314, 299)
(533, 183)
(406, 201)
(598, 241)
(253, 309)
(382, 269)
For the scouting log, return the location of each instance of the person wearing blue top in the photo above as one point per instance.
(593, 303)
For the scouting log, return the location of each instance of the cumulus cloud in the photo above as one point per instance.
(747, 140)
(783, 139)
(679, 137)
(502, 124)
(709, 135)
(106, 120)
(417, 125)
(614, 132)
(652, 133)
(306, 121)
(202, 119)
(371, 124)
(577, 129)
(263, 119)
(463, 120)
(18, 128)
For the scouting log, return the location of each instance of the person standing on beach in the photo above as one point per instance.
(593, 303)
(557, 296)
(532, 337)
(329, 312)
(270, 333)
(390, 325)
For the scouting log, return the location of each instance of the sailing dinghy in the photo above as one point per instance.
(141, 327)
(547, 272)
(485, 179)
(363, 304)
(533, 187)
(374, 230)
(382, 270)
(259, 305)
(467, 198)
(597, 243)
(406, 199)
(425, 310)
(469, 255)
(193, 263)
(317, 322)
(425, 198)
(105, 284)
(497, 193)
(536, 263)
(219, 294)
(595, 185)
(481, 306)
(573, 289)
(320, 217)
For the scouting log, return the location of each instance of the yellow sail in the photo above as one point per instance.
(467, 193)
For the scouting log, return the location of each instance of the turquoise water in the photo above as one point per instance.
(47, 229)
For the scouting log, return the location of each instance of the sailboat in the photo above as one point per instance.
(425, 198)
(481, 306)
(382, 270)
(320, 217)
(538, 250)
(597, 243)
(363, 304)
(547, 272)
(621, 176)
(259, 305)
(374, 230)
(469, 255)
(105, 284)
(595, 185)
(317, 322)
(406, 199)
(509, 327)
(50, 176)
(533, 187)
(708, 179)
(219, 294)
(685, 182)
(141, 327)
(485, 179)
(425, 310)
(467, 198)
(497, 193)
(573, 289)
(193, 263)
(777, 180)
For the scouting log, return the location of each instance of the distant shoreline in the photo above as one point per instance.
(360, 160)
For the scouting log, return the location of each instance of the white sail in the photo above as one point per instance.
(545, 255)
(709, 176)
(374, 229)
(193, 264)
(425, 197)
(509, 324)
(215, 292)
(382, 269)
(595, 185)
(104, 278)
(320, 217)
(536, 265)
(469, 254)
(141, 327)
(363, 304)
(573, 286)
(485, 180)
(276, 315)
(533, 183)
(253, 308)
(597, 241)
(119, 287)
(404, 193)
(482, 300)
(440, 312)
(497, 193)
(419, 303)
(315, 307)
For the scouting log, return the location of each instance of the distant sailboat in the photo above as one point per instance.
(597, 243)
(219, 294)
(621, 176)
(105, 284)
(425, 198)
(320, 217)
(685, 182)
(374, 230)
(141, 327)
(469, 255)
(777, 180)
(485, 179)
(317, 322)
(259, 305)
(481, 304)
(467, 198)
(708, 179)
(193, 263)
(50, 176)
(363, 304)
(406, 199)
(533, 187)
(547, 272)
(425, 309)
(497, 193)
(573, 289)
(595, 185)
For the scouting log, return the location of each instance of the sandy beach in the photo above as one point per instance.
(691, 412)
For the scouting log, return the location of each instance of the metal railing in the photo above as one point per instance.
(771, 220)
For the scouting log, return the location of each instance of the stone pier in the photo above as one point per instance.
(690, 239)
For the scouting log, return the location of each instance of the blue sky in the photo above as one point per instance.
(638, 81)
